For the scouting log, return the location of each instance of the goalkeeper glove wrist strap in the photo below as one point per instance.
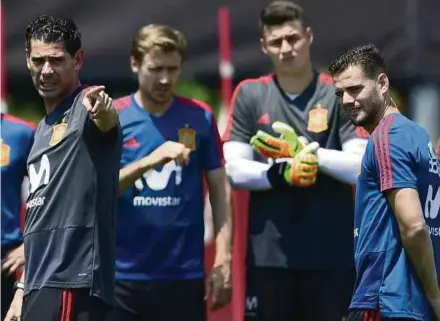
(275, 175)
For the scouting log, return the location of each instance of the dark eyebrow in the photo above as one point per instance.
(355, 87)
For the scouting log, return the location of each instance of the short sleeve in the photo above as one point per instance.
(28, 141)
(347, 130)
(241, 124)
(211, 145)
(127, 153)
(110, 137)
(395, 158)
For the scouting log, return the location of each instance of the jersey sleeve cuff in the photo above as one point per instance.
(214, 166)
(235, 138)
(397, 185)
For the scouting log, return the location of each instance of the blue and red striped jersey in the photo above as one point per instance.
(160, 224)
(399, 154)
(16, 142)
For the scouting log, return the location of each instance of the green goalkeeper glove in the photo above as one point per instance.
(301, 171)
(288, 145)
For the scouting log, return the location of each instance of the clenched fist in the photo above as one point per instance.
(166, 152)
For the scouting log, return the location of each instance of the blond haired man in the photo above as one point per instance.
(170, 144)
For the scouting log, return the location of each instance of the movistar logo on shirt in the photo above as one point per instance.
(37, 179)
(251, 305)
(432, 202)
(158, 181)
(156, 201)
(41, 177)
(434, 162)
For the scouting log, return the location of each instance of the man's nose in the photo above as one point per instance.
(165, 78)
(47, 69)
(347, 99)
(285, 46)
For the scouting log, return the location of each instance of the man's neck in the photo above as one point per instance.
(295, 83)
(390, 108)
(52, 104)
(149, 105)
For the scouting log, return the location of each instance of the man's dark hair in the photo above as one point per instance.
(279, 12)
(52, 29)
(367, 57)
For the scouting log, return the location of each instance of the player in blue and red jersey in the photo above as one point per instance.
(397, 198)
(16, 142)
(170, 144)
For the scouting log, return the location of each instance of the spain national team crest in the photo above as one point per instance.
(5, 154)
(317, 119)
(58, 132)
(187, 137)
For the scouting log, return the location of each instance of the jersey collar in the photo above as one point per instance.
(63, 107)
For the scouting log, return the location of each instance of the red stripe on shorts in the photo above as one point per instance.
(66, 305)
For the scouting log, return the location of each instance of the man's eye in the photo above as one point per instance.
(276, 43)
(354, 89)
(56, 59)
(38, 61)
(292, 39)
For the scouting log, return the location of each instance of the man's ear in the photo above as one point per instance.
(78, 60)
(134, 65)
(383, 83)
(263, 45)
(28, 60)
(309, 35)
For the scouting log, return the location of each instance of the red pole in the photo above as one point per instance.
(240, 198)
(226, 69)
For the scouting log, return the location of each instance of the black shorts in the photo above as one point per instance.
(278, 294)
(53, 304)
(7, 283)
(7, 292)
(370, 315)
(181, 300)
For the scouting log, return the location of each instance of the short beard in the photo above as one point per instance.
(375, 111)
(164, 101)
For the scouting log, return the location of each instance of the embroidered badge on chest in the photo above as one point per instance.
(58, 132)
(317, 119)
(5, 154)
(187, 137)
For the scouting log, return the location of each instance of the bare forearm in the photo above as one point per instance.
(22, 276)
(221, 203)
(131, 173)
(418, 245)
(107, 121)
